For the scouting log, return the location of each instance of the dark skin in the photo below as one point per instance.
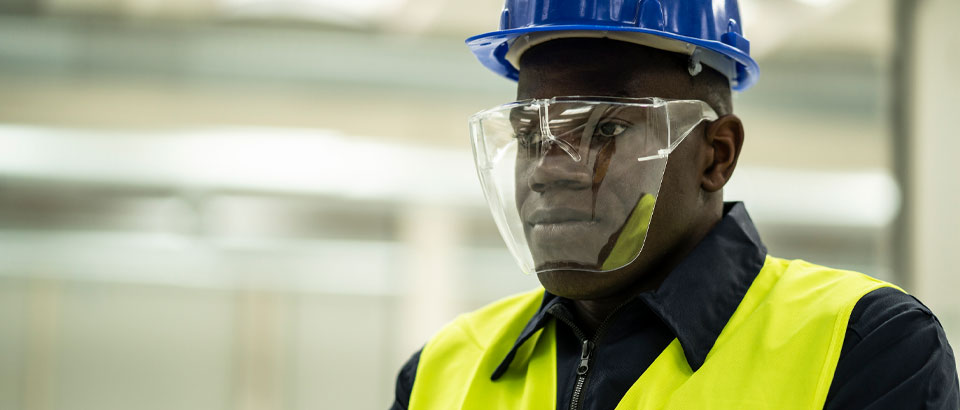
(690, 202)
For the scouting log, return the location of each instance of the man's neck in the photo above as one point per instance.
(591, 313)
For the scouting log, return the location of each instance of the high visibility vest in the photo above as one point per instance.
(779, 350)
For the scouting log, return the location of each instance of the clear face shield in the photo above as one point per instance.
(572, 181)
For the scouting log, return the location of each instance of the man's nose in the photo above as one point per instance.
(556, 169)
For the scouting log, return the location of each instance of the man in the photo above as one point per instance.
(605, 178)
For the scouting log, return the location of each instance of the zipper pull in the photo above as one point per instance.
(584, 358)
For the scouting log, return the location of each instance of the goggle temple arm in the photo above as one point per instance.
(707, 114)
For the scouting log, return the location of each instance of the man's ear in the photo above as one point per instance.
(724, 140)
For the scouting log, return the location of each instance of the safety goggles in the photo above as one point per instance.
(572, 181)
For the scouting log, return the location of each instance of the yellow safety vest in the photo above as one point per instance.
(778, 351)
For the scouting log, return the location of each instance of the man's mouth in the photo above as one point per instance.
(555, 216)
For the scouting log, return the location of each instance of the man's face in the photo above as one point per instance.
(593, 67)
(576, 192)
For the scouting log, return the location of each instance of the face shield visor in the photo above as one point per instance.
(572, 181)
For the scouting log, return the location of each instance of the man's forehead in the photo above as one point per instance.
(600, 67)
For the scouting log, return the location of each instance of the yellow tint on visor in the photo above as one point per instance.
(631, 238)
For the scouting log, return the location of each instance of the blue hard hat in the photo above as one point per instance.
(707, 27)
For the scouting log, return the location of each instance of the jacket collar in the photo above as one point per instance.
(699, 296)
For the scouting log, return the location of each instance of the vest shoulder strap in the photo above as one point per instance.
(456, 364)
(778, 351)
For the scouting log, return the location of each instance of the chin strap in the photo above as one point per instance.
(628, 245)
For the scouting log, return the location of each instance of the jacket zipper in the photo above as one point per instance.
(586, 351)
(582, 370)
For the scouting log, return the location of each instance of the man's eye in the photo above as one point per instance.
(526, 138)
(611, 129)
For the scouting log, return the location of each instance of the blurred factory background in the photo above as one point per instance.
(270, 204)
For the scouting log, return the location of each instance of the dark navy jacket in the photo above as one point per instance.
(895, 354)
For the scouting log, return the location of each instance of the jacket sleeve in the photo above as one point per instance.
(895, 356)
(405, 382)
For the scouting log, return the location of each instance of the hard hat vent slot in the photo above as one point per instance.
(651, 15)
